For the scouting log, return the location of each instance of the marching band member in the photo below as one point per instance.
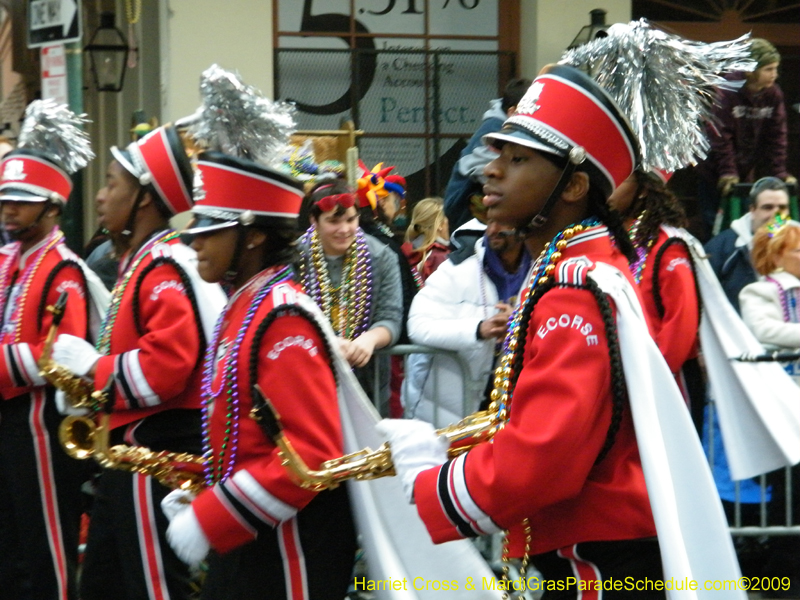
(151, 346)
(268, 534)
(40, 496)
(664, 270)
(593, 451)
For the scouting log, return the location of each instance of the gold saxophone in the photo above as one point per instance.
(365, 464)
(85, 436)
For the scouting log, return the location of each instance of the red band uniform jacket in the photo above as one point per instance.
(155, 341)
(674, 329)
(253, 490)
(39, 484)
(25, 318)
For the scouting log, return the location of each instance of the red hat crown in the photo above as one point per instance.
(234, 186)
(30, 176)
(565, 109)
(159, 159)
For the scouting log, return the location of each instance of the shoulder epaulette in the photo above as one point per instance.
(573, 271)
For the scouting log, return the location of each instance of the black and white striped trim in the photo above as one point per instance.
(131, 382)
(593, 233)
(457, 503)
(22, 366)
(251, 504)
(573, 271)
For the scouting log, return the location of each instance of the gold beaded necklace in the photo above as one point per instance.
(348, 305)
(503, 391)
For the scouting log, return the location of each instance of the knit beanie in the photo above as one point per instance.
(763, 52)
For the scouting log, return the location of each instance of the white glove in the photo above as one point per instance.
(175, 502)
(187, 539)
(66, 409)
(75, 353)
(415, 448)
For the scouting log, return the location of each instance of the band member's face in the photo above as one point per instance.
(20, 219)
(215, 253)
(115, 200)
(336, 233)
(622, 198)
(518, 183)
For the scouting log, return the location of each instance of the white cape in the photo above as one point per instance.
(757, 402)
(692, 530)
(99, 296)
(395, 540)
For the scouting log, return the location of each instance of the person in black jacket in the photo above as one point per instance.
(729, 252)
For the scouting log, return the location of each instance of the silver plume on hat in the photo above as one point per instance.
(238, 120)
(664, 84)
(56, 131)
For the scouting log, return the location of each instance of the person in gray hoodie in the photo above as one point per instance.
(729, 252)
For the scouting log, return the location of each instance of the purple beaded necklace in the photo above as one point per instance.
(230, 381)
(788, 302)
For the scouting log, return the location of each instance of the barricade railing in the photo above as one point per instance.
(472, 390)
(783, 502)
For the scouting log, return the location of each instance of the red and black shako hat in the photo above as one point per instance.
(159, 159)
(32, 176)
(52, 145)
(241, 192)
(566, 114)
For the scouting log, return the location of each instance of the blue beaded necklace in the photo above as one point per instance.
(230, 382)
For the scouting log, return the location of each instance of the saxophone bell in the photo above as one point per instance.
(77, 436)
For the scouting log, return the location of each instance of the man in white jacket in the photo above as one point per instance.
(465, 308)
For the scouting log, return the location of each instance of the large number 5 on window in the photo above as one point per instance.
(367, 61)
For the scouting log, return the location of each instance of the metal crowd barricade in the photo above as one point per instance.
(471, 389)
(789, 527)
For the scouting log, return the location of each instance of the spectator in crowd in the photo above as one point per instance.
(354, 278)
(102, 255)
(380, 198)
(770, 308)
(394, 204)
(464, 190)
(379, 202)
(749, 136)
(427, 238)
(729, 255)
(465, 307)
(730, 252)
